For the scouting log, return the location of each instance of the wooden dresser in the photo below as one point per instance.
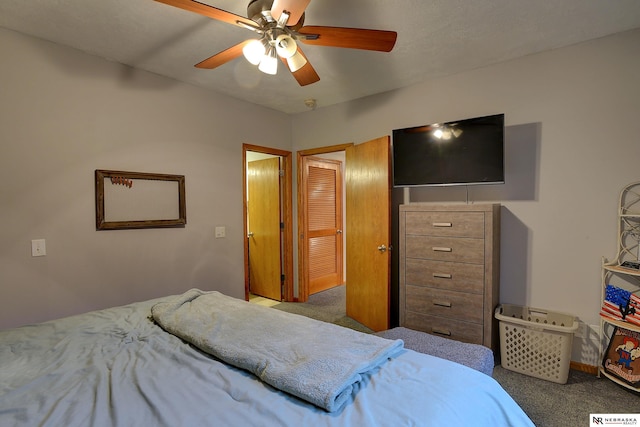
(449, 270)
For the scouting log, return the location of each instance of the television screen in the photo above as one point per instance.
(463, 152)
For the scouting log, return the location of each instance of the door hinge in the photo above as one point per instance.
(282, 278)
(281, 172)
(282, 226)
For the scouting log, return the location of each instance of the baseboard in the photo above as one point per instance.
(583, 367)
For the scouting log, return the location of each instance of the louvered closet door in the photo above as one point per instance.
(324, 224)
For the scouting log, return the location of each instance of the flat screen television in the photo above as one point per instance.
(463, 152)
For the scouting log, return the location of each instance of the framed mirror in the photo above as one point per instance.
(126, 200)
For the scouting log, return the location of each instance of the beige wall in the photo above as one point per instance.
(63, 114)
(573, 141)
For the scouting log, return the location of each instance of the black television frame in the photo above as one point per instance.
(473, 157)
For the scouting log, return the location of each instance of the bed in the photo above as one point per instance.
(206, 359)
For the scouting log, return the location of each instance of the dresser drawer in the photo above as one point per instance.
(453, 276)
(458, 249)
(451, 224)
(448, 328)
(459, 305)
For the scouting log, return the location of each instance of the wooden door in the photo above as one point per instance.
(323, 212)
(263, 200)
(368, 232)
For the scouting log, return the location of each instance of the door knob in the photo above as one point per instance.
(382, 248)
(338, 231)
(250, 234)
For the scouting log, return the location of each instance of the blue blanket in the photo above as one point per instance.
(115, 368)
(315, 361)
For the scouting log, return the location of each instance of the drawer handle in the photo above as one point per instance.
(441, 332)
(440, 249)
(442, 304)
(442, 275)
(442, 224)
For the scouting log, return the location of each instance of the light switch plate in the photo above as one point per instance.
(38, 247)
(221, 232)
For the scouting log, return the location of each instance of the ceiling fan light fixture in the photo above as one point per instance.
(280, 26)
(254, 51)
(296, 62)
(286, 46)
(269, 63)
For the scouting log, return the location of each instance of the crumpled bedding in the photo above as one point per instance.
(313, 360)
(116, 367)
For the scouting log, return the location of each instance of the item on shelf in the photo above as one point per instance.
(631, 264)
(622, 358)
(620, 304)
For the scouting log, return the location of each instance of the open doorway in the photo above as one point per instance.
(367, 230)
(268, 242)
(321, 258)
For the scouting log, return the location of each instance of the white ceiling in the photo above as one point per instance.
(435, 38)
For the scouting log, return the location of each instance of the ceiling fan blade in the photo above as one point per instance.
(294, 7)
(211, 12)
(306, 75)
(222, 57)
(352, 38)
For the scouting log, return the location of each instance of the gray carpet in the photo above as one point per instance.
(548, 404)
(328, 306)
(567, 405)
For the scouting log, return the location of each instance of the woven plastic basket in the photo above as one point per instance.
(536, 342)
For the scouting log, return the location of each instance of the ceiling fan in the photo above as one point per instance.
(279, 25)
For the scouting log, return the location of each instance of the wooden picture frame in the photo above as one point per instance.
(128, 200)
